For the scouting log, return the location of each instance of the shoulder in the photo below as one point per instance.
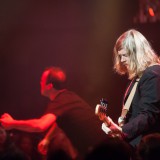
(150, 72)
(68, 95)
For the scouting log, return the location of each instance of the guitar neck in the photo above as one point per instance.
(107, 121)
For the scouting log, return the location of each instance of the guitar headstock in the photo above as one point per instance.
(104, 102)
(102, 108)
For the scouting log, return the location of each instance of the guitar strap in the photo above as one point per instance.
(127, 104)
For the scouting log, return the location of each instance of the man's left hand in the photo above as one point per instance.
(6, 121)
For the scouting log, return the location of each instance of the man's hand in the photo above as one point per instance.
(7, 121)
(43, 146)
(114, 127)
(113, 130)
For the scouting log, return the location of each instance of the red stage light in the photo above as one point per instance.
(151, 12)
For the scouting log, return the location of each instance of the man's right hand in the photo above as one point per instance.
(7, 121)
(43, 146)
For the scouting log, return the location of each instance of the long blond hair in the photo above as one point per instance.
(140, 53)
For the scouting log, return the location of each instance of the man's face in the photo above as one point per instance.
(124, 58)
(43, 84)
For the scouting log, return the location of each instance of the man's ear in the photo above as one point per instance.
(49, 86)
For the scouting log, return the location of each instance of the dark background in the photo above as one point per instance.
(77, 35)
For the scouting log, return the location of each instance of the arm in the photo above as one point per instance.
(31, 125)
(43, 144)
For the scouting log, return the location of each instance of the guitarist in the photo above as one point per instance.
(134, 56)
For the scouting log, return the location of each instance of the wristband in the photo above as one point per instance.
(121, 120)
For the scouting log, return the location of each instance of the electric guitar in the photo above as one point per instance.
(101, 110)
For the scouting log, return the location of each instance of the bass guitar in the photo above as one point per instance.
(101, 110)
(108, 126)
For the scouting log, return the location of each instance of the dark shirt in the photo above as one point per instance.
(77, 119)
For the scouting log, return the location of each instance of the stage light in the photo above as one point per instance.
(151, 12)
(148, 11)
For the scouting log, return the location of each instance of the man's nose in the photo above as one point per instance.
(122, 59)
